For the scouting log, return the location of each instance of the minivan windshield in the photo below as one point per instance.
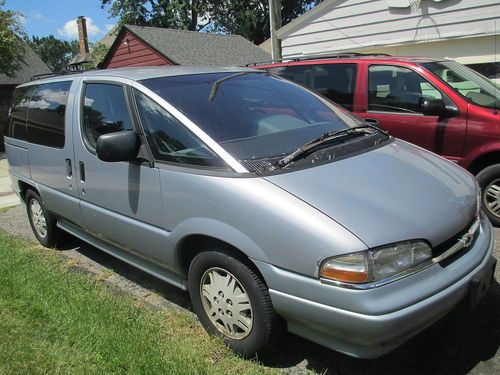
(468, 83)
(253, 115)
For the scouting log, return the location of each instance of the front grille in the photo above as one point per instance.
(442, 248)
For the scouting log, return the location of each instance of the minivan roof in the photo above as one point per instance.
(308, 60)
(140, 73)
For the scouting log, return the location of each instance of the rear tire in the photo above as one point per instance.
(489, 181)
(42, 223)
(232, 302)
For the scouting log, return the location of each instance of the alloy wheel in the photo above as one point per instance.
(492, 197)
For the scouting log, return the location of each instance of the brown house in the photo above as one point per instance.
(153, 46)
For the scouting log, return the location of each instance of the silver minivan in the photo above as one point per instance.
(275, 208)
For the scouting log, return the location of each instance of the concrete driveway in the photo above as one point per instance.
(463, 342)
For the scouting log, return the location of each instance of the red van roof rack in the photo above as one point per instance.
(340, 55)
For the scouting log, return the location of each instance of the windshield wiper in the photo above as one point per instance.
(216, 84)
(325, 138)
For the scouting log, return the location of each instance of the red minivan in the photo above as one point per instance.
(439, 105)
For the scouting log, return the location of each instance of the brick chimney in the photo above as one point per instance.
(82, 35)
(78, 61)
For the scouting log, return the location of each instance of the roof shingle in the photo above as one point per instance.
(196, 48)
(32, 65)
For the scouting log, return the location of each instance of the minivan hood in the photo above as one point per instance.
(394, 193)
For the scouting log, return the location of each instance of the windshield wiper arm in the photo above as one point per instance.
(216, 84)
(308, 147)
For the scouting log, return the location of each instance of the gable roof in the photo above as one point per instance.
(311, 14)
(31, 66)
(195, 48)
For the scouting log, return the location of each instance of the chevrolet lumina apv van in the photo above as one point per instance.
(273, 207)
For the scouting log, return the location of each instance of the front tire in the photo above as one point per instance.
(42, 223)
(232, 302)
(489, 181)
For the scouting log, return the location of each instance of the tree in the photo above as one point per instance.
(56, 53)
(248, 18)
(174, 14)
(11, 48)
(98, 52)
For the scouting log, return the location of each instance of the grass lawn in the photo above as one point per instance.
(57, 321)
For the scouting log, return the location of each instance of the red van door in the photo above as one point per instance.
(393, 98)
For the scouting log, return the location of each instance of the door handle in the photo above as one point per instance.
(82, 171)
(372, 121)
(69, 170)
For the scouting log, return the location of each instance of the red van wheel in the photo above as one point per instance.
(489, 180)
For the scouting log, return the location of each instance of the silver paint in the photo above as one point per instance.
(286, 224)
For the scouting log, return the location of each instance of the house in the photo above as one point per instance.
(152, 46)
(31, 66)
(457, 29)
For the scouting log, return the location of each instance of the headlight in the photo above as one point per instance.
(376, 264)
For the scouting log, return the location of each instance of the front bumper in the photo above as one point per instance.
(369, 323)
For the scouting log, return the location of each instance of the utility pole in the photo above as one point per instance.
(275, 24)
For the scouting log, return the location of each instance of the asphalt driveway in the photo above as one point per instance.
(463, 342)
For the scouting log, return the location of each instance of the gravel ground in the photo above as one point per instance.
(461, 343)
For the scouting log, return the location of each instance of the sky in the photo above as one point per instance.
(57, 17)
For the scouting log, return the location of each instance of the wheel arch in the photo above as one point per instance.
(197, 243)
(24, 187)
(484, 160)
(213, 234)
(482, 157)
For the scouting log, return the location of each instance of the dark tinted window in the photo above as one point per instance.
(169, 139)
(490, 70)
(5, 103)
(46, 114)
(104, 111)
(334, 81)
(19, 113)
(397, 89)
(252, 115)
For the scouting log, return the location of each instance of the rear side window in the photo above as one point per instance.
(19, 113)
(105, 111)
(334, 81)
(47, 108)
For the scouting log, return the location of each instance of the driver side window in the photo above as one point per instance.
(169, 139)
(397, 89)
(105, 111)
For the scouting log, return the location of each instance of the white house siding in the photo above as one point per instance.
(466, 51)
(360, 25)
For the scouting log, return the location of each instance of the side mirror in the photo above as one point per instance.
(436, 107)
(433, 107)
(118, 146)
